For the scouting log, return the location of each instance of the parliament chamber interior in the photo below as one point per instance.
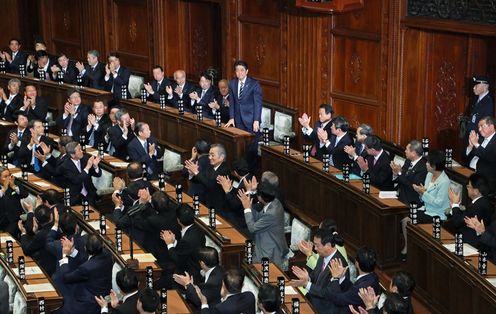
(247, 156)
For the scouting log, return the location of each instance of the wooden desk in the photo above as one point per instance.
(53, 299)
(183, 131)
(254, 272)
(362, 219)
(446, 283)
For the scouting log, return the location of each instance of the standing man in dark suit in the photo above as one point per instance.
(377, 164)
(324, 123)
(35, 106)
(121, 134)
(98, 124)
(15, 57)
(10, 202)
(127, 281)
(43, 66)
(335, 145)
(245, 110)
(180, 90)
(93, 73)
(234, 301)
(144, 148)
(182, 254)
(481, 105)
(214, 196)
(362, 132)
(221, 102)
(199, 156)
(67, 68)
(481, 151)
(78, 170)
(86, 274)
(75, 115)
(211, 282)
(116, 77)
(319, 278)
(157, 86)
(10, 103)
(17, 137)
(204, 95)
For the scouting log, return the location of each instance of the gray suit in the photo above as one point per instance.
(268, 232)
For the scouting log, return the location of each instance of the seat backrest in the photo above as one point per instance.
(283, 125)
(135, 85)
(103, 184)
(12, 291)
(210, 242)
(299, 231)
(3, 271)
(266, 118)
(20, 304)
(115, 269)
(399, 160)
(172, 161)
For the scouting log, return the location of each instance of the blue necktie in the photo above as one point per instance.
(36, 164)
(145, 147)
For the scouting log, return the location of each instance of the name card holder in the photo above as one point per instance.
(196, 205)
(285, 144)
(162, 102)
(425, 146)
(346, 172)
(295, 306)
(21, 263)
(143, 96)
(179, 193)
(118, 240)
(459, 244)
(163, 301)
(249, 252)
(10, 251)
(212, 220)
(103, 225)
(413, 213)
(218, 119)
(436, 227)
(41, 305)
(149, 277)
(180, 107)
(265, 270)
(366, 183)
(281, 283)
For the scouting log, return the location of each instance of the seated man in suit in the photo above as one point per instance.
(221, 102)
(144, 149)
(93, 73)
(51, 168)
(211, 282)
(129, 194)
(117, 77)
(234, 301)
(377, 164)
(69, 71)
(487, 236)
(127, 281)
(362, 132)
(215, 196)
(269, 299)
(85, 274)
(53, 200)
(38, 143)
(199, 156)
(11, 102)
(17, 137)
(335, 145)
(324, 123)
(15, 57)
(35, 106)
(179, 91)
(325, 244)
(481, 151)
(78, 170)
(10, 202)
(75, 115)
(204, 95)
(480, 207)
(157, 86)
(266, 226)
(121, 134)
(181, 255)
(43, 68)
(98, 124)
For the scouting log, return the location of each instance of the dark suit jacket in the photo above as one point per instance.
(486, 165)
(210, 289)
(10, 204)
(34, 245)
(76, 179)
(158, 90)
(25, 154)
(195, 187)
(361, 152)
(128, 306)
(70, 74)
(346, 293)
(338, 155)
(26, 137)
(48, 74)
(52, 169)
(130, 194)
(407, 178)
(79, 121)
(86, 279)
(122, 79)
(118, 142)
(224, 108)
(137, 153)
(315, 139)
(99, 134)
(214, 194)
(247, 109)
(40, 110)
(243, 302)
(488, 241)
(482, 208)
(94, 77)
(209, 97)
(478, 110)
(381, 175)
(187, 88)
(7, 112)
(20, 58)
(164, 219)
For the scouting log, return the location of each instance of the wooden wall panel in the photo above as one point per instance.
(10, 23)
(358, 113)
(366, 20)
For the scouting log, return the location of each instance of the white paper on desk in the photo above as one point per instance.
(17, 174)
(387, 194)
(42, 184)
(492, 280)
(468, 250)
(119, 164)
(288, 290)
(142, 257)
(95, 224)
(40, 287)
(32, 270)
(5, 239)
(206, 221)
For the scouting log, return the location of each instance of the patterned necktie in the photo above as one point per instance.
(241, 86)
(36, 163)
